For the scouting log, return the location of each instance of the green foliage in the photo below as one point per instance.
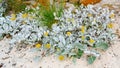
(1, 37)
(15, 6)
(80, 46)
(0, 1)
(46, 14)
(77, 4)
(84, 35)
(91, 59)
(101, 45)
(79, 54)
(59, 9)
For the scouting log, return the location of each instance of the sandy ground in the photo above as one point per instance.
(23, 58)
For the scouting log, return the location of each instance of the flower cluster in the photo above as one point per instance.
(21, 27)
(83, 30)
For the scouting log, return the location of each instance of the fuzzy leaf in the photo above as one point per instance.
(79, 46)
(34, 50)
(74, 60)
(0, 1)
(62, 39)
(1, 37)
(101, 45)
(37, 58)
(79, 54)
(91, 59)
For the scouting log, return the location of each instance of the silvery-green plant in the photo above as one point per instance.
(86, 30)
(2, 7)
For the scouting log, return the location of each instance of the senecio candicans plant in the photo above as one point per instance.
(86, 30)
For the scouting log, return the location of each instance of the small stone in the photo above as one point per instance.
(5, 58)
(14, 64)
(1, 65)
(40, 67)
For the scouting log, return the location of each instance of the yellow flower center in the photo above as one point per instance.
(68, 33)
(112, 15)
(69, 20)
(13, 17)
(45, 33)
(25, 15)
(110, 25)
(83, 37)
(89, 15)
(38, 45)
(47, 46)
(24, 22)
(83, 29)
(72, 20)
(61, 57)
(58, 49)
(91, 41)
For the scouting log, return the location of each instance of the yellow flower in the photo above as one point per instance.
(13, 17)
(83, 37)
(112, 15)
(94, 20)
(72, 20)
(68, 33)
(91, 41)
(24, 22)
(69, 20)
(61, 57)
(58, 49)
(25, 15)
(45, 33)
(89, 15)
(55, 23)
(47, 46)
(83, 29)
(38, 45)
(110, 25)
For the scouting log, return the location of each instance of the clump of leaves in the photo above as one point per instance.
(15, 6)
(101, 45)
(0, 1)
(47, 14)
(79, 54)
(1, 37)
(91, 59)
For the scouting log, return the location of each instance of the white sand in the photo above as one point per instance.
(24, 58)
